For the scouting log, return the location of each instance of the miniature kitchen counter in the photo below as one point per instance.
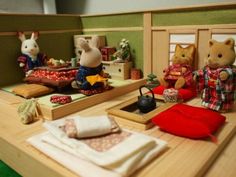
(183, 157)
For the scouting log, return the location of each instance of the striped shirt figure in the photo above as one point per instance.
(217, 94)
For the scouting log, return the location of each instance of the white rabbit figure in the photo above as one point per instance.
(90, 75)
(30, 57)
(91, 56)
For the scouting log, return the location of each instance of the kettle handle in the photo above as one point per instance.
(143, 86)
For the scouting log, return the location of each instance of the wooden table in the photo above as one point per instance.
(183, 157)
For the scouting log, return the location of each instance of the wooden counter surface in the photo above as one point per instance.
(182, 158)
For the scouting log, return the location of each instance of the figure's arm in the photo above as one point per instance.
(43, 58)
(22, 61)
(226, 74)
(184, 69)
(166, 71)
(198, 77)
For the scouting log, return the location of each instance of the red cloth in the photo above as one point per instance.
(188, 121)
(173, 72)
(61, 99)
(184, 93)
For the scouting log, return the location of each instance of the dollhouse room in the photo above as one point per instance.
(97, 88)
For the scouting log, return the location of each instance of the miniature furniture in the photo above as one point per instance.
(128, 114)
(107, 53)
(117, 70)
(56, 77)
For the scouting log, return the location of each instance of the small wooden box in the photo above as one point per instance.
(117, 70)
(127, 113)
(107, 53)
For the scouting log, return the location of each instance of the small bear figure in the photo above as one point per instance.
(30, 57)
(179, 74)
(217, 79)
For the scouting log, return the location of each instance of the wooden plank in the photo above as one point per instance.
(216, 27)
(60, 111)
(160, 52)
(183, 157)
(26, 164)
(147, 42)
(134, 115)
(42, 32)
(204, 36)
(133, 124)
(194, 158)
(114, 29)
(224, 163)
(52, 113)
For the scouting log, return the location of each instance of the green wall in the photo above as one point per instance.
(56, 44)
(38, 22)
(111, 21)
(197, 17)
(60, 45)
(136, 43)
(113, 37)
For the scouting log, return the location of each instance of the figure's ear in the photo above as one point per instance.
(83, 44)
(178, 47)
(95, 41)
(191, 48)
(34, 35)
(211, 42)
(21, 36)
(229, 42)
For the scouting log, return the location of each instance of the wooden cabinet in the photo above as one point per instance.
(117, 70)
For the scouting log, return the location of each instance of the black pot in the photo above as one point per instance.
(146, 103)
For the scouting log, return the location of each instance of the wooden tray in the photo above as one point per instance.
(128, 113)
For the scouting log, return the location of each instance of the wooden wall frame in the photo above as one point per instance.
(161, 40)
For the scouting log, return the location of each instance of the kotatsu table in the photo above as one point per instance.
(182, 158)
(56, 77)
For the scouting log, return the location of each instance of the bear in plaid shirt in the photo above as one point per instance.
(217, 80)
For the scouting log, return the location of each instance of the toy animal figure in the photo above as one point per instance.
(179, 74)
(28, 111)
(30, 57)
(90, 73)
(217, 79)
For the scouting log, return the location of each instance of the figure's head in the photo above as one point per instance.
(91, 56)
(220, 54)
(29, 46)
(184, 55)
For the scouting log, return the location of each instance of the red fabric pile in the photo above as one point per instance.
(188, 121)
(183, 93)
(61, 99)
(55, 75)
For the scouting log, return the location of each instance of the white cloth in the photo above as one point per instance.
(92, 126)
(108, 158)
(123, 158)
(75, 164)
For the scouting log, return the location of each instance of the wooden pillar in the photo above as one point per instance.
(147, 43)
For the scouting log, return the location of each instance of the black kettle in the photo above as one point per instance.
(146, 103)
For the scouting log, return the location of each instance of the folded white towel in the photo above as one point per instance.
(82, 127)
